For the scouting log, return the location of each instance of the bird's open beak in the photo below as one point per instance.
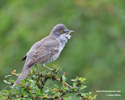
(70, 31)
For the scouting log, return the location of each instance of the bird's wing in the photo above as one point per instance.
(47, 50)
(44, 53)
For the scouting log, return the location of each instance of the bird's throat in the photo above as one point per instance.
(68, 36)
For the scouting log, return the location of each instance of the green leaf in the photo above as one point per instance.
(47, 90)
(55, 85)
(38, 91)
(23, 81)
(83, 94)
(5, 81)
(82, 87)
(8, 76)
(94, 97)
(73, 80)
(64, 98)
(57, 69)
(83, 79)
(32, 83)
(64, 78)
(74, 85)
(67, 95)
(90, 93)
(18, 89)
(58, 94)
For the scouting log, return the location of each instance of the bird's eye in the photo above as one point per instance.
(61, 31)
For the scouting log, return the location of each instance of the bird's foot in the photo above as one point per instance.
(48, 68)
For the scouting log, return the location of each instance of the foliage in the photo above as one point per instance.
(34, 87)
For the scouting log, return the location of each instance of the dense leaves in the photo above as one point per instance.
(34, 87)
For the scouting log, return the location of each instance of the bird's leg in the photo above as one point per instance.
(37, 68)
(47, 67)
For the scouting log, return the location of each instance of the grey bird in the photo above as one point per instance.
(46, 50)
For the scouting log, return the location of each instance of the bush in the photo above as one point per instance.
(33, 87)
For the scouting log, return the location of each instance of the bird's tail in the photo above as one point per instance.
(23, 74)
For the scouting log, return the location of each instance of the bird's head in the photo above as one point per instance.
(60, 31)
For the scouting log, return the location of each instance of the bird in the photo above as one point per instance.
(46, 50)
